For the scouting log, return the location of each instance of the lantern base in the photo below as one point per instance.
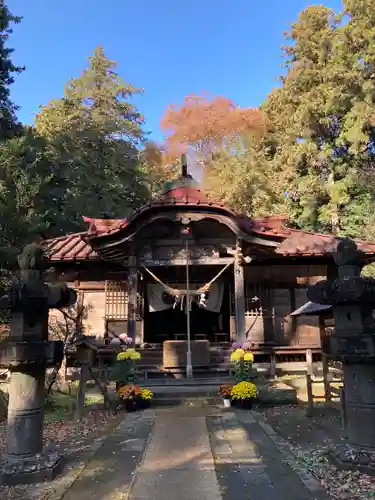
(346, 457)
(37, 469)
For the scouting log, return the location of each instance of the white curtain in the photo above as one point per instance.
(158, 299)
(215, 297)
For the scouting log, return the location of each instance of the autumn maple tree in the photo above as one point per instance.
(208, 125)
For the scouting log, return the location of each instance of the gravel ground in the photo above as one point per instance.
(69, 438)
(310, 439)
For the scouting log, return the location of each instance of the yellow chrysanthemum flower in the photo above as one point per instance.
(146, 394)
(121, 356)
(244, 390)
(235, 357)
(129, 354)
(249, 356)
(135, 355)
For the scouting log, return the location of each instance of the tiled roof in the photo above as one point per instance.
(70, 247)
(73, 247)
(182, 196)
(292, 242)
(305, 243)
(104, 226)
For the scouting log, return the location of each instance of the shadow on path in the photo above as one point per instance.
(248, 463)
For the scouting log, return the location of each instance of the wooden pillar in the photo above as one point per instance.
(239, 294)
(140, 311)
(326, 380)
(310, 395)
(309, 362)
(82, 387)
(132, 297)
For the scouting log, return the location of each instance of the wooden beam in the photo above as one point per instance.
(182, 262)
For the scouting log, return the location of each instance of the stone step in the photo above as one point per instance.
(194, 382)
(189, 402)
(276, 393)
(186, 395)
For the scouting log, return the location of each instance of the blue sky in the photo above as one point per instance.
(170, 48)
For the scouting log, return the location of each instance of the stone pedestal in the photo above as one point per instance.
(27, 353)
(359, 452)
(25, 413)
(25, 460)
(360, 405)
(36, 469)
(353, 343)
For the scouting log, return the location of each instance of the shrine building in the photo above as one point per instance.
(245, 275)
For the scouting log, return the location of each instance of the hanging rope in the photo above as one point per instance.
(171, 291)
(207, 286)
(176, 292)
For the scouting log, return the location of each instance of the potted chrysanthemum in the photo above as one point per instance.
(225, 392)
(244, 393)
(124, 370)
(129, 395)
(145, 398)
(242, 361)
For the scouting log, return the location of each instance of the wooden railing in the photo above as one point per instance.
(331, 375)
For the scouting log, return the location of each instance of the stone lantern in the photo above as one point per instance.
(27, 353)
(352, 342)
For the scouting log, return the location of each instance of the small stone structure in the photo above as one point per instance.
(27, 353)
(353, 343)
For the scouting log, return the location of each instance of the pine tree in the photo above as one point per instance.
(95, 133)
(8, 121)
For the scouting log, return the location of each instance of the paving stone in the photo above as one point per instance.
(178, 462)
(176, 484)
(256, 469)
(109, 475)
(193, 454)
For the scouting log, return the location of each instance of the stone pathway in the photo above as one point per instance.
(178, 463)
(194, 454)
(253, 462)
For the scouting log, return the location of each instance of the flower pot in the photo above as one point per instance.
(227, 402)
(130, 404)
(246, 404)
(144, 403)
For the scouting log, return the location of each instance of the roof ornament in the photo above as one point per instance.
(184, 168)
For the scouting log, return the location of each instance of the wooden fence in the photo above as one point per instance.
(332, 375)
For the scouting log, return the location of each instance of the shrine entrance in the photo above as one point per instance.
(165, 317)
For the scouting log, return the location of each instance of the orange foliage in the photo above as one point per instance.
(207, 124)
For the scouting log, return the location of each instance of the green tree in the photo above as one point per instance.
(8, 122)
(158, 168)
(242, 179)
(94, 134)
(30, 194)
(321, 119)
